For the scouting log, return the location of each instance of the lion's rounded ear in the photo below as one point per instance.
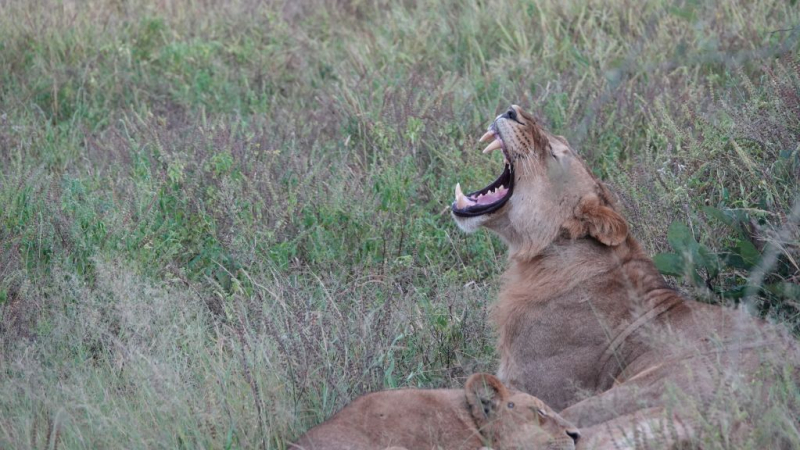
(602, 222)
(485, 394)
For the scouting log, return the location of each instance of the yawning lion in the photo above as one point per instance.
(583, 308)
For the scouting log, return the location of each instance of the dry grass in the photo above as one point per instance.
(221, 221)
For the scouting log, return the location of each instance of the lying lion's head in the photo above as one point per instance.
(545, 191)
(516, 420)
(485, 412)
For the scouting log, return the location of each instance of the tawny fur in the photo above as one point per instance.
(484, 413)
(583, 309)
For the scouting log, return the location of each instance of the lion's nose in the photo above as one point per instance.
(574, 434)
(510, 114)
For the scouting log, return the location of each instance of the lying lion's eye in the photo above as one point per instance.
(541, 412)
(511, 405)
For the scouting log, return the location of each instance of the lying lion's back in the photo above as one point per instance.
(407, 417)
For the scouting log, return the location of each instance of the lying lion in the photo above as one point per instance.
(582, 307)
(484, 413)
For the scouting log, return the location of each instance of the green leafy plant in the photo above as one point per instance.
(730, 272)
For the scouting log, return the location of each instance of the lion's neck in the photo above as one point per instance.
(567, 264)
(575, 295)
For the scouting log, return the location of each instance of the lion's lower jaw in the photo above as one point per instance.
(468, 224)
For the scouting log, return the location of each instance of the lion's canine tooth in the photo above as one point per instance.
(497, 143)
(486, 136)
(461, 200)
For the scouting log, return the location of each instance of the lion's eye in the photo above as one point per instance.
(541, 413)
(510, 405)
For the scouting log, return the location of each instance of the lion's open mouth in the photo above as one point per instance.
(493, 196)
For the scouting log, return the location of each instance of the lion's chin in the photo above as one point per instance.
(469, 224)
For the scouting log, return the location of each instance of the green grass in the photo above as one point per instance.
(220, 224)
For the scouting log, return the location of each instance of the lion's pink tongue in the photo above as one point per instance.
(491, 197)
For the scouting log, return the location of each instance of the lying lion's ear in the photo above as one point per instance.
(485, 394)
(602, 222)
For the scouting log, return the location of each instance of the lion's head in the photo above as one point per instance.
(485, 412)
(545, 191)
(516, 420)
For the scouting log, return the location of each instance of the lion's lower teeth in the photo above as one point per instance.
(461, 200)
(491, 196)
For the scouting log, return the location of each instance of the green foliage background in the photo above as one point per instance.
(221, 221)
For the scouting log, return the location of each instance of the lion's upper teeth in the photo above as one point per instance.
(497, 143)
(486, 136)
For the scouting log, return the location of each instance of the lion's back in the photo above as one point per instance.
(382, 419)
